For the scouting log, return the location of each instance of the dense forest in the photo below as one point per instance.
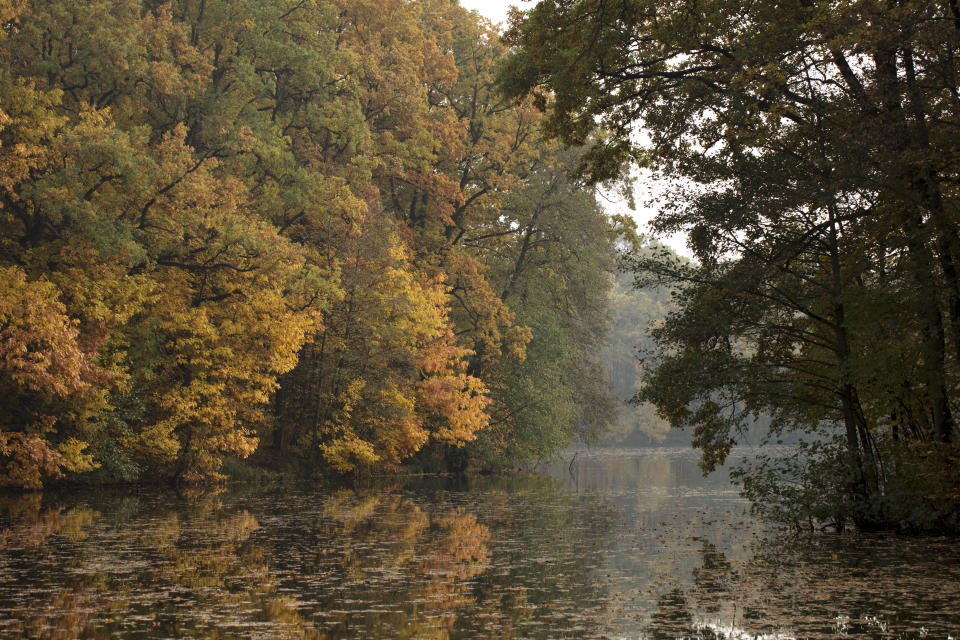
(344, 236)
(310, 230)
(812, 149)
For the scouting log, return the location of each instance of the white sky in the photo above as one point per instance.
(495, 10)
(646, 187)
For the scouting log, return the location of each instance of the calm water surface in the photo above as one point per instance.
(620, 544)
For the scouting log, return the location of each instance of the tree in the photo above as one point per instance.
(384, 376)
(43, 372)
(249, 223)
(551, 253)
(181, 289)
(811, 180)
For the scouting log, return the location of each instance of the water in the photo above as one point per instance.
(620, 544)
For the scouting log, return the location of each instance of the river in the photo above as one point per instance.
(617, 544)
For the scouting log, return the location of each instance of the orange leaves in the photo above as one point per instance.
(456, 400)
(26, 458)
(460, 401)
(190, 192)
(38, 342)
(387, 373)
(41, 368)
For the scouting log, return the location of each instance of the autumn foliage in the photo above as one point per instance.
(228, 225)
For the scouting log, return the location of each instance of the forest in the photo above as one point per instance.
(812, 151)
(314, 232)
(354, 237)
(337, 319)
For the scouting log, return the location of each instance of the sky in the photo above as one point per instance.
(646, 187)
(495, 10)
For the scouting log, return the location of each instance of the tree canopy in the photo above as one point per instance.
(312, 229)
(813, 151)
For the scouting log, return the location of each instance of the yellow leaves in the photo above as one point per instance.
(49, 378)
(38, 342)
(25, 458)
(74, 457)
(460, 401)
(220, 319)
(391, 373)
(156, 442)
(9, 11)
(210, 192)
(27, 125)
(346, 452)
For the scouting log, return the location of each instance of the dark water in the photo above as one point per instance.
(622, 544)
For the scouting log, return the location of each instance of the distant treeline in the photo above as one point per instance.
(309, 226)
(633, 312)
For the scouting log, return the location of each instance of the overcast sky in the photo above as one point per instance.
(496, 11)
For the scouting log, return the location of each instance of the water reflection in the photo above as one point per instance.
(619, 544)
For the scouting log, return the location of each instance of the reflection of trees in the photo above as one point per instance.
(401, 564)
(672, 619)
(95, 573)
(547, 572)
(417, 561)
(409, 561)
(713, 582)
(29, 524)
(396, 564)
(27, 529)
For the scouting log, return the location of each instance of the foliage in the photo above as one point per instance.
(815, 486)
(230, 225)
(555, 271)
(812, 150)
(43, 372)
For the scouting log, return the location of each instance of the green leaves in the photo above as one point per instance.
(812, 155)
(315, 225)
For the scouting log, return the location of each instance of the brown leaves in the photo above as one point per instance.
(38, 342)
(25, 459)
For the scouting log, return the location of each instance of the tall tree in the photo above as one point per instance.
(813, 142)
